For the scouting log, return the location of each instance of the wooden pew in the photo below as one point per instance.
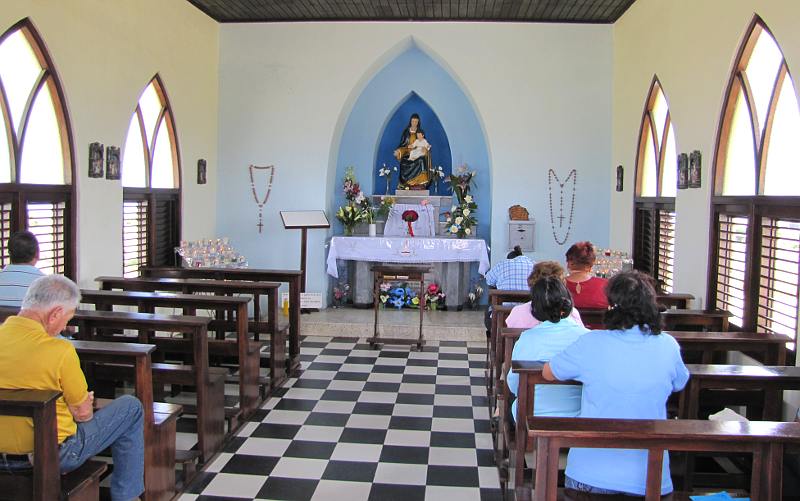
(45, 482)
(677, 300)
(292, 277)
(247, 352)
(771, 380)
(209, 382)
(160, 420)
(765, 440)
(709, 320)
(277, 356)
(769, 348)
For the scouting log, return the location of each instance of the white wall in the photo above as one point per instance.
(542, 92)
(691, 46)
(105, 54)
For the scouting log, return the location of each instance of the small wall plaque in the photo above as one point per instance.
(201, 171)
(113, 171)
(694, 169)
(95, 160)
(620, 176)
(683, 171)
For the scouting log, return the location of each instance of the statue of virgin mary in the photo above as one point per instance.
(414, 169)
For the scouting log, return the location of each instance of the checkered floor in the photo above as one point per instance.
(364, 424)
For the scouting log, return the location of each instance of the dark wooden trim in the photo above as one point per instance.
(637, 178)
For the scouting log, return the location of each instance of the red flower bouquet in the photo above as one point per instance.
(409, 217)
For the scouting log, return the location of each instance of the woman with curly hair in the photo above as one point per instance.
(521, 316)
(628, 371)
(551, 305)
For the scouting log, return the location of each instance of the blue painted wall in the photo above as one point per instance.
(434, 134)
(383, 100)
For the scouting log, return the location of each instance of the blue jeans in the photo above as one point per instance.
(118, 425)
(571, 483)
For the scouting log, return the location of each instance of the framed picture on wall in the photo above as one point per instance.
(112, 163)
(694, 169)
(683, 171)
(95, 160)
(201, 171)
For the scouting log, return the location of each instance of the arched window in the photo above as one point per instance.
(656, 184)
(756, 203)
(36, 152)
(151, 183)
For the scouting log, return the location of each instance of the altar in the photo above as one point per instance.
(451, 259)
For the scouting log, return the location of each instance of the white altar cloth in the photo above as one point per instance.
(425, 226)
(407, 250)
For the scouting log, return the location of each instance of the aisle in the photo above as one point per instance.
(366, 424)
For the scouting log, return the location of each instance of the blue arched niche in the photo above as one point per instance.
(411, 73)
(434, 134)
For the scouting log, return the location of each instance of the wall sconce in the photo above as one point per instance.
(683, 171)
(694, 169)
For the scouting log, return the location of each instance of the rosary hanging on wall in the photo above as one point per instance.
(259, 202)
(558, 228)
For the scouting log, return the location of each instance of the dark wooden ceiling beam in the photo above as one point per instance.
(570, 11)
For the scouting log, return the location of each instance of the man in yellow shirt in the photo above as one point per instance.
(32, 356)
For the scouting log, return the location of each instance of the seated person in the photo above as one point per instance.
(521, 316)
(511, 274)
(628, 371)
(419, 147)
(23, 249)
(588, 291)
(32, 357)
(551, 305)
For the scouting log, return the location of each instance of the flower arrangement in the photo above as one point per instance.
(383, 293)
(386, 172)
(350, 216)
(401, 296)
(409, 217)
(474, 294)
(436, 174)
(461, 182)
(434, 297)
(358, 208)
(341, 291)
(381, 211)
(461, 218)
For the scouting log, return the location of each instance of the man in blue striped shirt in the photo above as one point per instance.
(23, 249)
(511, 274)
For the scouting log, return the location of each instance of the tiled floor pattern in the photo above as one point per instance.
(364, 424)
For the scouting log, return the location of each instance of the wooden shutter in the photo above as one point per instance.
(5, 231)
(730, 293)
(134, 236)
(46, 220)
(778, 281)
(166, 231)
(644, 242)
(666, 249)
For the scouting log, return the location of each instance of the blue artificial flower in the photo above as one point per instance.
(397, 302)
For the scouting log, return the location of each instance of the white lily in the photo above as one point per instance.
(466, 212)
(468, 199)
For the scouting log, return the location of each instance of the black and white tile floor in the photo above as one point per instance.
(388, 424)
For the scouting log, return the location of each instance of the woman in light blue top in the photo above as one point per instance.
(551, 304)
(628, 371)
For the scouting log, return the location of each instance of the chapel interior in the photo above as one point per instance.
(234, 149)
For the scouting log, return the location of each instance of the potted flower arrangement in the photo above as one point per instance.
(402, 296)
(461, 219)
(383, 293)
(357, 209)
(461, 182)
(434, 297)
(474, 295)
(381, 211)
(386, 173)
(340, 294)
